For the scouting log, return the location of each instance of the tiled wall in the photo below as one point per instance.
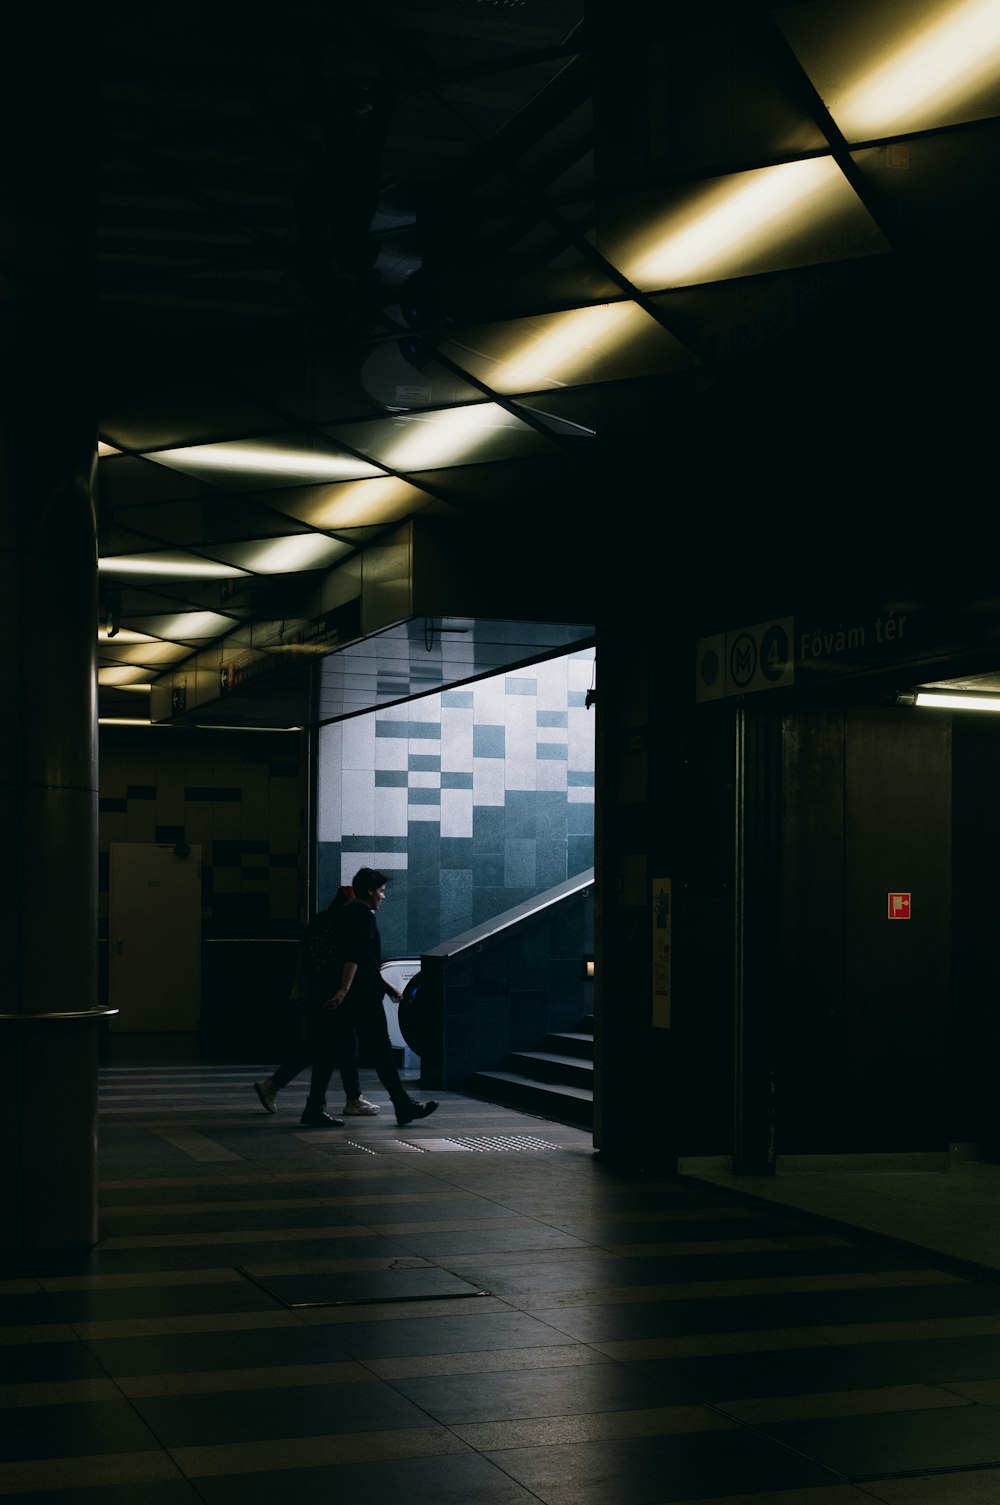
(240, 799)
(472, 800)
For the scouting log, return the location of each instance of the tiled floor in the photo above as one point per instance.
(473, 1309)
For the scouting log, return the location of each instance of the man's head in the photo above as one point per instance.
(369, 886)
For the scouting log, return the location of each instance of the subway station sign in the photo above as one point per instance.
(817, 648)
(761, 657)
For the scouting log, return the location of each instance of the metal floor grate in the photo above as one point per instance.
(482, 1144)
(488, 1144)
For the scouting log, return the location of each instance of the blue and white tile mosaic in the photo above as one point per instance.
(472, 800)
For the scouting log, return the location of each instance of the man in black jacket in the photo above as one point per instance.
(357, 1002)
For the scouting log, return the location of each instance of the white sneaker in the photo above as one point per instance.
(356, 1107)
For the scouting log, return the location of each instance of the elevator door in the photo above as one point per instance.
(154, 937)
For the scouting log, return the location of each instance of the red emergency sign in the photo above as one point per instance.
(899, 906)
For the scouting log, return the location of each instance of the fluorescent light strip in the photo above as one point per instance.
(947, 702)
(935, 70)
(448, 436)
(733, 217)
(246, 458)
(168, 566)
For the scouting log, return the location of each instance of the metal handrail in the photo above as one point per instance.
(490, 928)
(98, 1013)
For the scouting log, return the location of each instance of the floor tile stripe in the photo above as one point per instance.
(88, 1472)
(780, 1338)
(841, 1403)
(316, 1452)
(153, 1327)
(39, 1332)
(488, 1361)
(549, 1431)
(58, 1393)
(198, 1146)
(212, 1381)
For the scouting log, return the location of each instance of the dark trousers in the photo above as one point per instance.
(318, 1043)
(335, 1036)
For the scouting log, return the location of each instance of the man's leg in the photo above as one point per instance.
(322, 1042)
(373, 1031)
(346, 1037)
(294, 1060)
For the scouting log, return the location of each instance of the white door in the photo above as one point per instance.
(154, 937)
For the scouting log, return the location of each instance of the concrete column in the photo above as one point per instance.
(49, 1009)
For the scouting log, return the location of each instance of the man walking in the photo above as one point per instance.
(357, 1003)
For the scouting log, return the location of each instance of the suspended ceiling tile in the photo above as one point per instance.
(451, 436)
(611, 341)
(403, 375)
(149, 655)
(168, 564)
(282, 556)
(794, 214)
(514, 489)
(933, 189)
(505, 261)
(275, 460)
(209, 519)
(153, 413)
(309, 376)
(122, 675)
(805, 309)
(145, 601)
(899, 66)
(359, 505)
(723, 95)
(124, 480)
(577, 413)
(188, 627)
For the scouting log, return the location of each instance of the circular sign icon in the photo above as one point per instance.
(775, 650)
(743, 660)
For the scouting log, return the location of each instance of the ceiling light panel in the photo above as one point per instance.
(359, 504)
(280, 461)
(124, 635)
(284, 556)
(451, 436)
(182, 626)
(901, 65)
(611, 341)
(125, 677)
(152, 654)
(168, 565)
(765, 220)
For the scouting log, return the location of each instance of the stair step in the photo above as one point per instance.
(547, 1066)
(556, 1101)
(517, 1079)
(571, 1042)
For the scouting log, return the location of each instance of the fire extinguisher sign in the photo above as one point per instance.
(899, 906)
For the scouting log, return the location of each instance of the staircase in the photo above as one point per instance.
(554, 1081)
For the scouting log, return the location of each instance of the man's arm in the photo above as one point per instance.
(347, 975)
